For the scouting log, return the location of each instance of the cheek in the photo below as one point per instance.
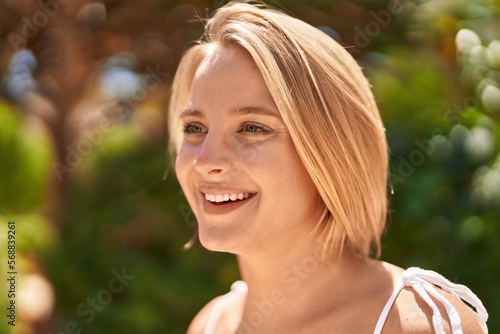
(178, 166)
(259, 155)
(276, 169)
(183, 164)
(308, 190)
(183, 172)
(296, 181)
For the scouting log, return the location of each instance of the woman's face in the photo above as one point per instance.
(237, 164)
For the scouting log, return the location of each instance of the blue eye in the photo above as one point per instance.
(253, 128)
(192, 128)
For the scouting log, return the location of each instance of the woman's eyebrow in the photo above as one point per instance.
(253, 110)
(191, 112)
(236, 111)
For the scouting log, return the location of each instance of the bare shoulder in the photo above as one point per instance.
(411, 314)
(199, 322)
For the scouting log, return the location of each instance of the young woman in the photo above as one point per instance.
(281, 153)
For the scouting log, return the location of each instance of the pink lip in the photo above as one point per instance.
(210, 208)
(222, 189)
(219, 209)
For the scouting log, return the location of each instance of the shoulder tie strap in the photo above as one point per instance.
(237, 288)
(424, 282)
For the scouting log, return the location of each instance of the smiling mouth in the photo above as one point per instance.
(221, 199)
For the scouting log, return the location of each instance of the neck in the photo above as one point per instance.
(292, 278)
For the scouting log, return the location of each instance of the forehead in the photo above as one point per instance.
(228, 77)
(225, 59)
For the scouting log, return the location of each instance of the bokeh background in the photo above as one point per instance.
(84, 173)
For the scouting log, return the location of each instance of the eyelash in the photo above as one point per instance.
(188, 128)
(259, 128)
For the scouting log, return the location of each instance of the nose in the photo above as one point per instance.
(213, 157)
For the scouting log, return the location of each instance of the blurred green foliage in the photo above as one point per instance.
(120, 206)
(25, 159)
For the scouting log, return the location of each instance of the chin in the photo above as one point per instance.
(216, 246)
(218, 241)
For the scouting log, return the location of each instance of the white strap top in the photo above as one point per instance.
(424, 282)
(237, 288)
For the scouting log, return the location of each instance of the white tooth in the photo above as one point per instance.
(240, 196)
(211, 198)
(233, 197)
(219, 198)
(207, 197)
(226, 197)
(247, 195)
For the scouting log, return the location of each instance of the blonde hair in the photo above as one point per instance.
(328, 107)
